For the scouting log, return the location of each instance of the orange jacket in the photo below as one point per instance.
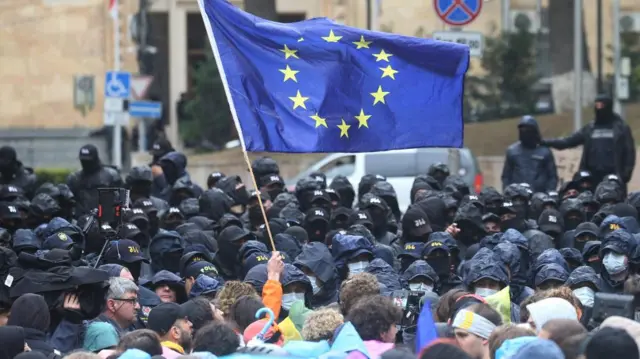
(272, 296)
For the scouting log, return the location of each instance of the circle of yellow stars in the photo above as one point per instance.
(378, 96)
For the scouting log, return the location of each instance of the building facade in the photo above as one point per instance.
(45, 43)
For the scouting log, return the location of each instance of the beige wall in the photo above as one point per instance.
(43, 44)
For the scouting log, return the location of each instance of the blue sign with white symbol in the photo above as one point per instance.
(457, 12)
(117, 84)
(145, 109)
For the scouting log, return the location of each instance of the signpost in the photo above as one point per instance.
(117, 90)
(145, 109)
(457, 12)
(84, 96)
(474, 40)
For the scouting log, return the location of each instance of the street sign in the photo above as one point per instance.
(457, 12)
(84, 96)
(117, 84)
(145, 109)
(622, 88)
(139, 86)
(111, 118)
(474, 40)
(113, 104)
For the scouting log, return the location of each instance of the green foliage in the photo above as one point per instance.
(630, 47)
(53, 175)
(208, 114)
(507, 88)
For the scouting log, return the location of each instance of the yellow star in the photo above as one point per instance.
(362, 44)
(290, 74)
(379, 95)
(344, 129)
(388, 71)
(319, 120)
(362, 119)
(382, 56)
(298, 101)
(289, 52)
(301, 39)
(332, 37)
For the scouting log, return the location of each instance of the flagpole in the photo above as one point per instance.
(234, 114)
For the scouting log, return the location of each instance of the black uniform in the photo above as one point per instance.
(608, 145)
(13, 172)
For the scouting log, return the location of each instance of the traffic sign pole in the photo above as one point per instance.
(117, 126)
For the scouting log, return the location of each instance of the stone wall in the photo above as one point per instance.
(43, 44)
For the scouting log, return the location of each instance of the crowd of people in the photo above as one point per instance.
(325, 270)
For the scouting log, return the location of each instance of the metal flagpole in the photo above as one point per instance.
(118, 118)
(375, 10)
(578, 64)
(617, 106)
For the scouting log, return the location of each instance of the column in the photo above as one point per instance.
(178, 71)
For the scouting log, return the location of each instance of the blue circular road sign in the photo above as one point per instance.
(457, 12)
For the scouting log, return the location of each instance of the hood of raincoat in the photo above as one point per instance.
(388, 278)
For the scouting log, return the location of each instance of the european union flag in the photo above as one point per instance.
(317, 86)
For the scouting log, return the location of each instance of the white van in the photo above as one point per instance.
(400, 167)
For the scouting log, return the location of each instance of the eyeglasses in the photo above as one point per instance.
(128, 300)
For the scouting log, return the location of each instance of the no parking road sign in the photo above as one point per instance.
(457, 12)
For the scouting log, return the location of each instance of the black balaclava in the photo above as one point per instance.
(89, 159)
(8, 161)
(529, 136)
(603, 110)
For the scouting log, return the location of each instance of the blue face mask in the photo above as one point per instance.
(357, 267)
(314, 284)
(289, 298)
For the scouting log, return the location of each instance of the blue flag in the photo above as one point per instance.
(426, 328)
(317, 86)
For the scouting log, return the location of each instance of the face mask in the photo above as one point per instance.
(290, 298)
(314, 284)
(441, 265)
(614, 263)
(485, 292)
(514, 223)
(255, 216)
(357, 267)
(273, 193)
(241, 196)
(571, 223)
(585, 295)
(420, 287)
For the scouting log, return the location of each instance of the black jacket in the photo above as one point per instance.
(84, 186)
(24, 178)
(625, 150)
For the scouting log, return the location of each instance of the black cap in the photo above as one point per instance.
(140, 173)
(270, 179)
(9, 211)
(124, 250)
(213, 178)
(88, 152)
(587, 228)
(551, 221)
(362, 217)
(201, 267)
(8, 155)
(164, 316)
(10, 192)
(416, 222)
(160, 147)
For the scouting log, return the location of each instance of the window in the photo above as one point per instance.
(391, 164)
(343, 166)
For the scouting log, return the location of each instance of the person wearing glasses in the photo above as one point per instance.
(121, 305)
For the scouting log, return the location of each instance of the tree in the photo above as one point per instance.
(209, 120)
(507, 88)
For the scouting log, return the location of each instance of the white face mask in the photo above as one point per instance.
(290, 298)
(485, 292)
(357, 267)
(314, 284)
(420, 287)
(585, 295)
(614, 263)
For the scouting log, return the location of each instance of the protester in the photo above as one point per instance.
(528, 162)
(184, 272)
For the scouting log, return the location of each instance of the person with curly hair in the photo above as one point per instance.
(321, 324)
(230, 293)
(355, 288)
(375, 317)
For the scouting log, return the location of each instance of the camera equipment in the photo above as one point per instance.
(607, 305)
(111, 202)
(409, 301)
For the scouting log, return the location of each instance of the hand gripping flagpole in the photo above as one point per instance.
(234, 114)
